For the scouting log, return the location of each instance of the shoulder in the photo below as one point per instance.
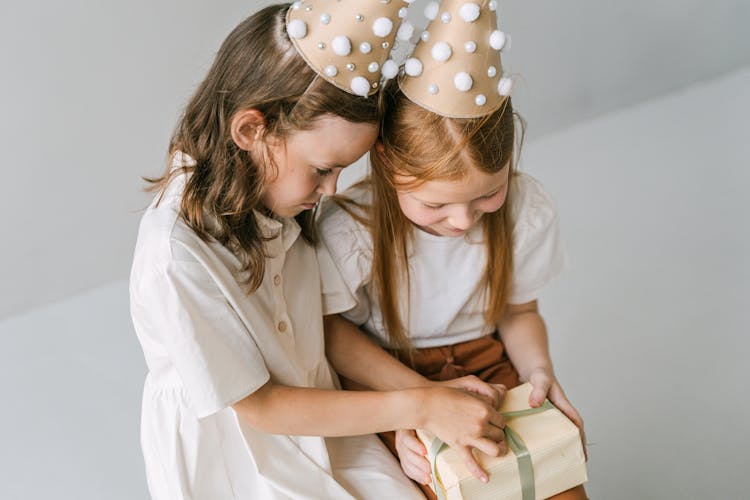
(163, 235)
(532, 208)
(337, 220)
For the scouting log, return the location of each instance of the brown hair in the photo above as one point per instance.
(257, 67)
(425, 146)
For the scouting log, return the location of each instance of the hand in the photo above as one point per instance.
(413, 456)
(464, 421)
(492, 392)
(546, 386)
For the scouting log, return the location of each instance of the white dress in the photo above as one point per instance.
(208, 344)
(446, 303)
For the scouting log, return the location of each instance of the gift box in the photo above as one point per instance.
(545, 456)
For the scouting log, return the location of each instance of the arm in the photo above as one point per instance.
(461, 420)
(525, 337)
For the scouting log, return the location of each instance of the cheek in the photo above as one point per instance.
(491, 204)
(419, 214)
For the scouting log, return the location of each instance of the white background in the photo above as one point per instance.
(638, 122)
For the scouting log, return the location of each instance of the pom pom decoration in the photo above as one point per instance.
(463, 81)
(331, 70)
(341, 45)
(365, 48)
(491, 71)
(441, 51)
(446, 17)
(360, 86)
(470, 47)
(389, 69)
(325, 19)
(413, 67)
(505, 86)
(402, 12)
(433, 89)
(497, 40)
(373, 67)
(492, 5)
(469, 12)
(431, 11)
(297, 29)
(382, 27)
(480, 100)
(405, 31)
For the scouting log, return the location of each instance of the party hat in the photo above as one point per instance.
(455, 68)
(348, 42)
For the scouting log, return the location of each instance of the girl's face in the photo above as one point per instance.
(309, 163)
(452, 208)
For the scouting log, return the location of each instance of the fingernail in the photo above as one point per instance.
(484, 479)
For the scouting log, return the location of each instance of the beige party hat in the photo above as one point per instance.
(348, 42)
(455, 68)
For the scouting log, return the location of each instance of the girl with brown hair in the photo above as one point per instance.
(240, 401)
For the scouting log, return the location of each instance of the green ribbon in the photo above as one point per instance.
(516, 445)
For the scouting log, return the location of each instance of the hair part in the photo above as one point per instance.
(257, 67)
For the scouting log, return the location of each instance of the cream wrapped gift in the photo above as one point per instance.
(545, 458)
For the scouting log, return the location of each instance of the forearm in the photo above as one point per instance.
(524, 336)
(278, 409)
(358, 358)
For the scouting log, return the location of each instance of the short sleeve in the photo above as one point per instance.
(182, 309)
(345, 258)
(538, 253)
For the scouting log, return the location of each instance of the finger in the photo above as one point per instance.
(415, 473)
(541, 385)
(414, 444)
(471, 463)
(559, 399)
(418, 462)
(494, 433)
(496, 419)
(489, 447)
(477, 386)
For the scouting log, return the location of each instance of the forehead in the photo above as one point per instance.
(470, 187)
(334, 140)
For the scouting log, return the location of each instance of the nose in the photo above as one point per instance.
(327, 186)
(462, 217)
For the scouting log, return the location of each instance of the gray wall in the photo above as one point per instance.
(91, 91)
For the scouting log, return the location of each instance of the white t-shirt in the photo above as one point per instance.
(446, 302)
(208, 344)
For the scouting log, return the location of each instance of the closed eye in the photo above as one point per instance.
(323, 171)
(433, 206)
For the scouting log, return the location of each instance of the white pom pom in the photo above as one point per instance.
(296, 28)
(491, 71)
(493, 5)
(360, 86)
(433, 89)
(431, 11)
(446, 17)
(325, 18)
(382, 27)
(341, 45)
(470, 47)
(373, 67)
(469, 12)
(413, 66)
(389, 69)
(405, 31)
(497, 40)
(425, 36)
(480, 100)
(441, 51)
(365, 48)
(403, 12)
(331, 70)
(463, 81)
(505, 86)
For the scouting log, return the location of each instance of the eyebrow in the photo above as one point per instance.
(489, 193)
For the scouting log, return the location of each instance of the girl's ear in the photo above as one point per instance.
(246, 128)
(379, 147)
